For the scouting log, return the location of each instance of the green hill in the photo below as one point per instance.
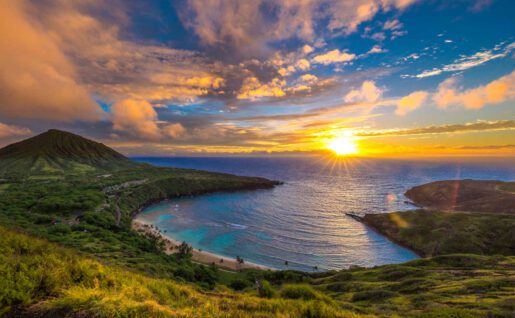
(466, 195)
(57, 152)
(41, 279)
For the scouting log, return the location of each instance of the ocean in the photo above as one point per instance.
(303, 221)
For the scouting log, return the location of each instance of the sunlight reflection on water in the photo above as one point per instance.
(303, 221)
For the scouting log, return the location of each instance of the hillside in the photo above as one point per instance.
(465, 195)
(431, 233)
(57, 152)
(40, 279)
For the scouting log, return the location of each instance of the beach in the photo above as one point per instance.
(203, 257)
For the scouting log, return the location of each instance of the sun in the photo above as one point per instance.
(343, 145)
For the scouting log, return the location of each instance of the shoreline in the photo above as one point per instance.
(203, 257)
(363, 220)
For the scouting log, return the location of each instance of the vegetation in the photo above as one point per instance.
(433, 233)
(45, 280)
(82, 195)
(466, 195)
(41, 279)
(55, 153)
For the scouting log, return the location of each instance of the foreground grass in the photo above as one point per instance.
(433, 233)
(445, 286)
(42, 279)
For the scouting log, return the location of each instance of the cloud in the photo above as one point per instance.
(495, 92)
(37, 80)
(13, 131)
(137, 118)
(411, 102)
(307, 49)
(281, 117)
(377, 49)
(467, 62)
(480, 5)
(334, 56)
(348, 15)
(303, 64)
(308, 78)
(174, 130)
(368, 92)
(253, 89)
(392, 25)
(443, 129)
(248, 27)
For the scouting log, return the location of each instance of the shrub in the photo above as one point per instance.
(239, 284)
(305, 292)
(375, 294)
(399, 272)
(43, 219)
(266, 290)
(449, 313)
(340, 287)
(414, 285)
(59, 229)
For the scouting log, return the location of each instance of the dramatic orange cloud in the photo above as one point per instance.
(38, 81)
(136, 117)
(495, 92)
(411, 102)
(13, 131)
(253, 89)
(334, 56)
(174, 130)
(368, 92)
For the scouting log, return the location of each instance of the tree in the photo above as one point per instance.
(184, 250)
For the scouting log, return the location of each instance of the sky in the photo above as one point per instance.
(402, 78)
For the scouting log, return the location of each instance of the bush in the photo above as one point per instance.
(414, 285)
(266, 290)
(339, 287)
(59, 229)
(239, 284)
(43, 219)
(305, 292)
(449, 313)
(399, 272)
(376, 294)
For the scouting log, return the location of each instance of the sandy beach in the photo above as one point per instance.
(197, 256)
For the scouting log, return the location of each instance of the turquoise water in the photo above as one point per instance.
(303, 221)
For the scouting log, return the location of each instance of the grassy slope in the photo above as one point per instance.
(40, 279)
(56, 153)
(80, 212)
(436, 233)
(488, 196)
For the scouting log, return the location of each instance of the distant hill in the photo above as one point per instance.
(57, 152)
(466, 195)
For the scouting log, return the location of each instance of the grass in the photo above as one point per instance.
(433, 233)
(460, 285)
(42, 279)
(79, 211)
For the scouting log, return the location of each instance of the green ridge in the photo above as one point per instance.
(58, 152)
